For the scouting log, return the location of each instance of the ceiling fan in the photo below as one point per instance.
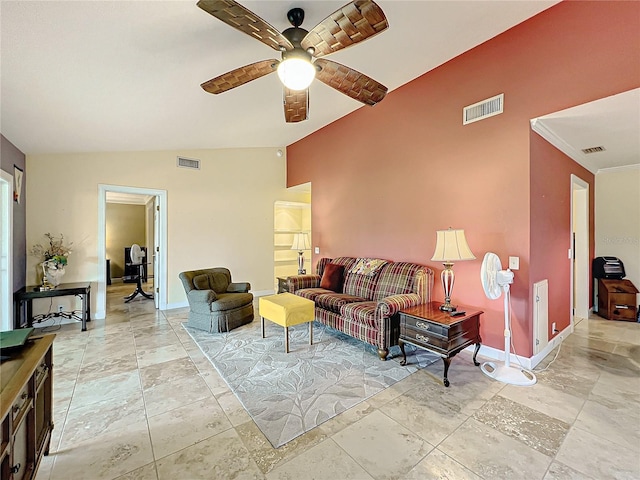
(301, 52)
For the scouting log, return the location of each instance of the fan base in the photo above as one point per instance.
(510, 375)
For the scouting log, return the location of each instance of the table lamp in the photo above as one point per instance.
(451, 246)
(301, 243)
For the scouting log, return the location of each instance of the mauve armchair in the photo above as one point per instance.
(216, 303)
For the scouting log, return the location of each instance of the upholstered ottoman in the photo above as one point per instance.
(287, 310)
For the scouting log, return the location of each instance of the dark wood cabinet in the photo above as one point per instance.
(617, 300)
(26, 408)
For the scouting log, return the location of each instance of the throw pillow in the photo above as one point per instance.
(201, 282)
(368, 266)
(332, 277)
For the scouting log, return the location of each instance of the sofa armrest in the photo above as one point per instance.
(201, 296)
(391, 305)
(298, 282)
(239, 287)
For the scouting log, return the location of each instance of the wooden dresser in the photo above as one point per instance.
(26, 381)
(617, 300)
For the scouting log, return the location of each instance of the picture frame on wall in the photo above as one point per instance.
(17, 183)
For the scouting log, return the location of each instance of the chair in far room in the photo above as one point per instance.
(216, 304)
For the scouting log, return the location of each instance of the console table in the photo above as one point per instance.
(426, 326)
(27, 294)
(26, 405)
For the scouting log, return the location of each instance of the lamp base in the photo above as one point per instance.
(447, 307)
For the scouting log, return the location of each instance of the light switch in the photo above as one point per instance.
(317, 250)
(514, 263)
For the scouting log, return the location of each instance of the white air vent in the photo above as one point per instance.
(484, 109)
(587, 151)
(188, 163)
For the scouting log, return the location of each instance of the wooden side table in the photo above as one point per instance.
(426, 326)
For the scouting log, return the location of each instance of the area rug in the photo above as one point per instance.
(289, 394)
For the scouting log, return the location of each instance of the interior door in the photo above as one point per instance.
(6, 253)
(154, 253)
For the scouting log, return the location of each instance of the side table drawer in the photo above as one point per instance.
(424, 326)
(445, 344)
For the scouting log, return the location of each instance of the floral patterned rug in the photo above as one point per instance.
(289, 394)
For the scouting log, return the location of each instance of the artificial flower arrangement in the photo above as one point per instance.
(55, 254)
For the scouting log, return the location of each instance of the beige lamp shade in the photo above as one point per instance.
(300, 242)
(452, 246)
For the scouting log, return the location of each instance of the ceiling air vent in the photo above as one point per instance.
(484, 109)
(188, 163)
(587, 151)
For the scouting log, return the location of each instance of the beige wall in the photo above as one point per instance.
(125, 226)
(220, 215)
(618, 218)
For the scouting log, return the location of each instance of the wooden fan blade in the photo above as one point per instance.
(350, 82)
(296, 104)
(237, 16)
(353, 23)
(240, 76)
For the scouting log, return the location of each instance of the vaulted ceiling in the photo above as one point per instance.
(92, 76)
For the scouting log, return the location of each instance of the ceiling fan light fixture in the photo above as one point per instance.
(296, 73)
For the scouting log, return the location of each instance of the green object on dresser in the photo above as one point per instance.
(14, 338)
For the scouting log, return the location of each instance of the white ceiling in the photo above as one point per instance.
(612, 123)
(90, 76)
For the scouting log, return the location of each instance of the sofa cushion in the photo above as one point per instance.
(346, 262)
(361, 312)
(361, 285)
(332, 277)
(312, 293)
(333, 301)
(396, 279)
(230, 301)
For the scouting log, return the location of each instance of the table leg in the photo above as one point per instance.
(476, 353)
(404, 354)
(29, 313)
(286, 339)
(88, 294)
(311, 332)
(447, 362)
(84, 312)
(262, 325)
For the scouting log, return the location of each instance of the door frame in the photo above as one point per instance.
(160, 275)
(579, 302)
(6, 255)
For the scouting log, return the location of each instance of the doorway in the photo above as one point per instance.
(580, 248)
(6, 251)
(159, 257)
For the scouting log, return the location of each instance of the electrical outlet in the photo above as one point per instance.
(553, 328)
(514, 263)
(60, 308)
(317, 250)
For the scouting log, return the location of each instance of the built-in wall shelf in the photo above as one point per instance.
(289, 218)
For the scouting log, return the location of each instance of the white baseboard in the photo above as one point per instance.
(262, 293)
(171, 306)
(528, 363)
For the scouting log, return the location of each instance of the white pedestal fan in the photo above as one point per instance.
(496, 281)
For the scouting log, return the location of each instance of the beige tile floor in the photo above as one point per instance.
(134, 398)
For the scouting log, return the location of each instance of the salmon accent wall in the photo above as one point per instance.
(386, 178)
(551, 228)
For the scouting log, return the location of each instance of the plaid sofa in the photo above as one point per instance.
(368, 306)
